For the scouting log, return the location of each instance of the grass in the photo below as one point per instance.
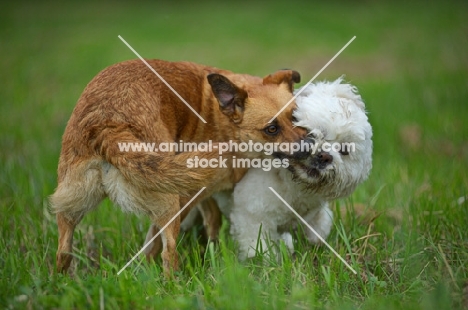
(404, 230)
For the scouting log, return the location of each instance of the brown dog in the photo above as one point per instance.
(127, 102)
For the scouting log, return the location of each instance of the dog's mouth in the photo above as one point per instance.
(313, 172)
(308, 173)
(315, 166)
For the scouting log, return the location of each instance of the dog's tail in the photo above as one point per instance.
(163, 172)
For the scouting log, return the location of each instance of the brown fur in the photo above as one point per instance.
(208, 214)
(127, 102)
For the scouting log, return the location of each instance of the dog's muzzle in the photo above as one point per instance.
(321, 160)
(315, 164)
(302, 154)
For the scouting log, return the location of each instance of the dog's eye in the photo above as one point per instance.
(344, 152)
(271, 130)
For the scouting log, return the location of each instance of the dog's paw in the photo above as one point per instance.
(288, 241)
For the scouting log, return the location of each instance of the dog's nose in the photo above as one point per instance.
(324, 158)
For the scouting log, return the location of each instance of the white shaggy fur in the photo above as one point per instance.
(331, 112)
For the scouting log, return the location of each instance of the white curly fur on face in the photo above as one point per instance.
(332, 112)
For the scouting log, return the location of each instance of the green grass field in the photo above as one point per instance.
(406, 229)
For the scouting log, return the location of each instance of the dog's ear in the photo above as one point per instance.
(230, 97)
(289, 77)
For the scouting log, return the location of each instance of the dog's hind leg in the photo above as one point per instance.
(211, 218)
(160, 207)
(169, 230)
(207, 210)
(77, 193)
(155, 247)
(66, 227)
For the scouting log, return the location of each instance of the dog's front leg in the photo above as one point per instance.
(252, 234)
(321, 220)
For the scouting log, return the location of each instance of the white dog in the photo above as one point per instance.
(340, 159)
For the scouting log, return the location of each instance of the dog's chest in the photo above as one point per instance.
(303, 203)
